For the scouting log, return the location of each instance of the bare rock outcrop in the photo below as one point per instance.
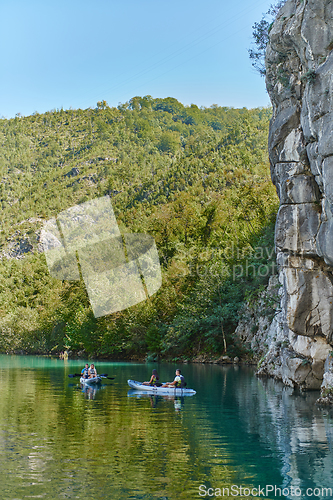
(299, 79)
(24, 240)
(256, 330)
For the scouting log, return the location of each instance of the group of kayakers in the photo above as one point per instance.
(178, 382)
(89, 371)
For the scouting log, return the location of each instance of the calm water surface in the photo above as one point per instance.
(58, 441)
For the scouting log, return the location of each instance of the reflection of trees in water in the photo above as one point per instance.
(111, 444)
(233, 428)
(291, 422)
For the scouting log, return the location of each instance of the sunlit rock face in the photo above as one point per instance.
(299, 79)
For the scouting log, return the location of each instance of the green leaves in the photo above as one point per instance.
(169, 142)
(196, 179)
(260, 36)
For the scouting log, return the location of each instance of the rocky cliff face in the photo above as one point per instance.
(299, 64)
(24, 240)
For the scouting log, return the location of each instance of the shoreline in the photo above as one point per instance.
(199, 359)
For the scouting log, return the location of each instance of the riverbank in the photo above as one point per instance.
(145, 358)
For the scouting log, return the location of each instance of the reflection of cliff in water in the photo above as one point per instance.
(303, 433)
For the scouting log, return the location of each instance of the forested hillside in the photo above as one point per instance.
(196, 179)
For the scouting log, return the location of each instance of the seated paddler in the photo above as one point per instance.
(178, 383)
(92, 371)
(154, 379)
(85, 371)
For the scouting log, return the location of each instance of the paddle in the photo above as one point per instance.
(105, 375)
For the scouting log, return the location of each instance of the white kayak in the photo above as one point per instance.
(90, 381)
(135, 393)
(160, 390)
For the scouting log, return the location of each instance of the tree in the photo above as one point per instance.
(169, 142)
(102, 105)
(200, 187)
(187, 215)
(169, 104)
(261, 37)
(135, 103)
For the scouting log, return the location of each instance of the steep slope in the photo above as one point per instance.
(197, 180)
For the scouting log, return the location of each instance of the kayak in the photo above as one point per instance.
(135, 393)
(90, 381)
(160, 390)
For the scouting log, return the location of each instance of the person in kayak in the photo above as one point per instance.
(92, 371)
(179, 381)
(85, 371)
(154, 379)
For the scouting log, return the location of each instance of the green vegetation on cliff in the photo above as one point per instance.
(260, 37)
(196, 179)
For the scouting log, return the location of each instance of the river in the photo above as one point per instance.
(238, 437)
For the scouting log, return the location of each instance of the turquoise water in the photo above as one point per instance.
(59, 441)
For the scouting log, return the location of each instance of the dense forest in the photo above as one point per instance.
(195, 179)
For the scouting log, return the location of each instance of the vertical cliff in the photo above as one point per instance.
(299, 79)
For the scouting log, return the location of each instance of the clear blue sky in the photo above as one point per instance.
(74, 53)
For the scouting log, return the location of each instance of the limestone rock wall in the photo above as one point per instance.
(299, 79)
(255, 329)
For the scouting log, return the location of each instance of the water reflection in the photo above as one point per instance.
(90, 391)
(289, 421)
(61, 440)
(178, 401)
